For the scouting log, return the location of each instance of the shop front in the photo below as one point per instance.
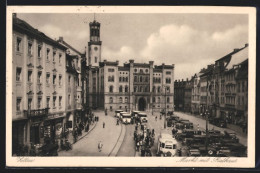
(19, 136)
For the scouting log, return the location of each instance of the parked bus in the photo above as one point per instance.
(142, 117)
(126, 118)
(117, 113)
(121, 113)
(167, 145)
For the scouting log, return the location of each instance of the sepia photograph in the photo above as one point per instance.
(131, 86)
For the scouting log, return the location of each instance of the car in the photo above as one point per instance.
(231, 135)
(194, 152)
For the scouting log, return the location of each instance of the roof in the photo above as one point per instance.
(22, 26)
(141, 65)
(243, 71)
(123, 68)
(109, 63)
(237, 58)
(69, 46)
(157, 70)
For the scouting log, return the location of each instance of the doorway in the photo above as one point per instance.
(141, 104)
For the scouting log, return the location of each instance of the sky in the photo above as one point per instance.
(190, 41)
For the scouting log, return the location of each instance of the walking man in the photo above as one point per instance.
(100, 145)
(103, 124)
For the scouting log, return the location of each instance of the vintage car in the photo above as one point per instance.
(194, 152)
(218, 122)
(230, 136)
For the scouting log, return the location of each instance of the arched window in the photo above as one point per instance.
(135, 79)
(123, 79)
(120, 79)
(111, 89)
(120, 89)
(140, 89)
(111, 100)
(153, 99)
(135, 89)
(126, 79)
(159, 89)
(159, 99)
(120, 100)
(126, 88)
(126, 100)
(141, 79)
(141, 71)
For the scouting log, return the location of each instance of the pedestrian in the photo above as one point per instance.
(156, 118)
(137, 146)
(100, 145)
(103, 124)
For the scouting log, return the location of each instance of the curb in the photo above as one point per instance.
(86, 133)
(119, 142)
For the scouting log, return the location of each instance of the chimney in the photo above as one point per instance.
(60, 38)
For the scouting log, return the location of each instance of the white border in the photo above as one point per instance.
(131, 161)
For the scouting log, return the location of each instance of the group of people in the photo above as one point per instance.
(144, 139)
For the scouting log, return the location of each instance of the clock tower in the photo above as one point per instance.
(94, 44)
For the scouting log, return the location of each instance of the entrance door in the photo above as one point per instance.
(141, 104)
(34, 134)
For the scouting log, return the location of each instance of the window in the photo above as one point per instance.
(48, 54)
(29, 48)
(39, 77)
(111, 70)
(146, 89)
(123, 79)
(111, 100)
(60, 81)
(120, 89)
(39, 102)
(126, 79)
(18, 104)
(141, 71)
(18, 44)
(110, 78)
(135, 89)
(29, 103)
(54, 79)
(146, 79)
(168, 99)
(111, 89)
(120, 79)
(60, 58)
(141, 78)
(159, 89)
(168, 72)
(140, 89)
(18, 73)
(135, 70)
(48, 102)
(153, 99)
(60, 99)
(53, 57)
(30, 76)
(39, 51)
(69, 80)
(159, 99)
(243, 86)
(167, 89)
(120, 100)
(126, 88)
(126, 100)
(54, 101)
(48, 78)
(69, 100)
(135, 79)
(146, 70)
(95, 59)
(168, 80)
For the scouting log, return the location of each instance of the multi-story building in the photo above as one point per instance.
(188, 95)
(133, 86)
(73, 78)
(38, 98)
(179, 93)
(195, 98)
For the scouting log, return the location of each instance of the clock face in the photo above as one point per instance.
(96, 48)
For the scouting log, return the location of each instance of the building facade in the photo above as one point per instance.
(133, 86)
(195, 94)
(179, 94)
(188, 95)
(38, 98)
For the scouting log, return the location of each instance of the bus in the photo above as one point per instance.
(121, 113)
(117, 113)
(142, 117)
(167, 145)
(126, 118)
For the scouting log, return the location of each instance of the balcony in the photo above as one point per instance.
(39, 88)
(36, 113)
(29, 88)
(39, 63)
(30, 61)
